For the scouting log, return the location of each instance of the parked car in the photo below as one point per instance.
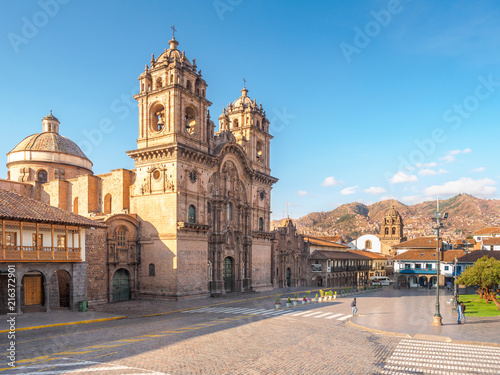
(381, 280)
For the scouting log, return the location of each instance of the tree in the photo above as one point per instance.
(485, 273)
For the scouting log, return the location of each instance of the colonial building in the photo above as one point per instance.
(378, 264)
(290, 253)
(193, 217)
(47, 250)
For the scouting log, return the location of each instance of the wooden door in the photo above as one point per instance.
(33, 290)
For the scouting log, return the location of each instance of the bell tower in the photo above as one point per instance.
(249, 125)
(172, 102)
(391, 231)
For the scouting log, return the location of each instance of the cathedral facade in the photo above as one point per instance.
(193, 217)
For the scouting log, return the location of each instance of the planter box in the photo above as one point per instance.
(304, 302)
(295, 303)
(289, 304)
(277, 306)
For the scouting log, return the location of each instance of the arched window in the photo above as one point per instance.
(393, 230)
(258, 124)
(171, 78)
(159, 83)
(192, 214)
(121, 237)
(75, 205)
(107, 204)
(42, 176)
(229, 211)
(203, 93)
(386, 231)
(259, 151)
(209, 208)
(189, 120)
(368, 244)
(188, 86)
(261, 224)
(152, 271)
(235, 123)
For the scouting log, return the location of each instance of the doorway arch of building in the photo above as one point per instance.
(121, 285)
(228, 274)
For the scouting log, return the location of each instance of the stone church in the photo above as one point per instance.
(193, 217)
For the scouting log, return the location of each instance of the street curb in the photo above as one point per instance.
(408, 336)
(66, 324)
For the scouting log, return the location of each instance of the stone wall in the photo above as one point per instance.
(96, 268)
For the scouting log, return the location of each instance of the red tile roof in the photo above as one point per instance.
(491, 241)
(327, 254)
(331, 238)
(370, 254)
(320, 242)
(487, 230)
(446, 256)
(477, 254)
(18, 207)
(419, 243)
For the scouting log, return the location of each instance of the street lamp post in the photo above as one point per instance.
(466, 259)
(455, 284)
(437, 321)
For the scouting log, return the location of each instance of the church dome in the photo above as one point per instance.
(49, 147)
(51, 142)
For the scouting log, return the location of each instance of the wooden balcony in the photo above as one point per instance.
(40, 254)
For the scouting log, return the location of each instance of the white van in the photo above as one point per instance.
(381, 280)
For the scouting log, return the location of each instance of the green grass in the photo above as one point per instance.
(475, 306)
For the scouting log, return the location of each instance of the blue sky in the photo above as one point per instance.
(368, 100)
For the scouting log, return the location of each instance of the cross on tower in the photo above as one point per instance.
(244, 82)
(173, 31)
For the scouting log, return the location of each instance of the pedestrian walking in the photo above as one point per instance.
(460, 313)
(354, 308)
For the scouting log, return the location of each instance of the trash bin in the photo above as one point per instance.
(82, 306)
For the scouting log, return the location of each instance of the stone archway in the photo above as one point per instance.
(33, 284)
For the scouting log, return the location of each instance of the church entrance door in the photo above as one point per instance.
(228, 274)
(121, 285)
(288, 277)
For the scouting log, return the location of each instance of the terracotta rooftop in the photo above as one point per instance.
(446, 256)
(463, 242)
(331, 238)
(478, 254)
(487, 230)
(332, 254)
(17, 207)
(369, 254)
(491, 241)
(419, 243)
(320, 242)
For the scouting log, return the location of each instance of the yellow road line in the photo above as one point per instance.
(67, 324)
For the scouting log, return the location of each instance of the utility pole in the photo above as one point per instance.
(437, 321)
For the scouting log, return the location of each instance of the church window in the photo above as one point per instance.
(191, 214)
(142, 87)
(171, 78)
(156, 174)
(159, 83)
(152, 271)
(189, 120)
(189, 86)
(261, 224)
(107, 203)
(235, 123)
(121, 237)
(75, 205)
(386, 231)
(368, 245)
(209, 208)
(203, 93)
(229, 211)
(42, 176)
(258, 124)
(393, 230)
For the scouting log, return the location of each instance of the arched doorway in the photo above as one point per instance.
(60, 289)
(433, 281)
(121, 285)
(319, 281)
(288, 277)
(402, 281)
(422, 281)
(33, 284)
(228, 274)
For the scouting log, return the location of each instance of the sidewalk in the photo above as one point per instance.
(410, 312)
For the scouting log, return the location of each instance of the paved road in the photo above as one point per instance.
(244, 337)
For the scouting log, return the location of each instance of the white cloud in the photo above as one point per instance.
(412, 199)
(431, 172)
(374, 190)
(302, 193)
(426, 165)
(403, 177)
(348, 190)
(480, 169)
(481, 187)
(331, 181)
(450, 157)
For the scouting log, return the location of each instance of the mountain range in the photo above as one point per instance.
(466, 214)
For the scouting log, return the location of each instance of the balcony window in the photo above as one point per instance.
(61, 241)
(429, 266)
(418, 266)
(10, 238)
(407, 266)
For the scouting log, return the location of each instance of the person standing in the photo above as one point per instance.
(354, 308)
